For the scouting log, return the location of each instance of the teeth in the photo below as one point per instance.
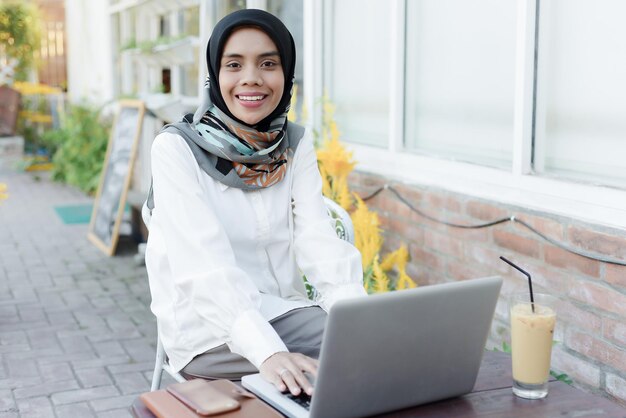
(251, 98)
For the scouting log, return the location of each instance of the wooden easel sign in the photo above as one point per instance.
(108, 207)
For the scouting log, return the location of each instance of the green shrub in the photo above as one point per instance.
(80, 147)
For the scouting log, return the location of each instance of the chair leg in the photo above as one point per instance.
(158, 366)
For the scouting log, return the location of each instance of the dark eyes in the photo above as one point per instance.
(265, 64)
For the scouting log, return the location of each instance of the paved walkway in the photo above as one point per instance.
(77, 337)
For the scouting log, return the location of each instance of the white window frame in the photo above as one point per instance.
(519, 186)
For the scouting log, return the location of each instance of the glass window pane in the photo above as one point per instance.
(188, 21)
(581, 91)
(460, 79)
(164, 26)
(356, 68)
(222, 8)
(189, 79)
(290, 12)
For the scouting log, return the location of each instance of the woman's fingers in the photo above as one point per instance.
(277, 380)
(309, 364)
(291, 380)
(285, 371)
(300, 364)
(303, 382)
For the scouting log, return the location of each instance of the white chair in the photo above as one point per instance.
(340, 220)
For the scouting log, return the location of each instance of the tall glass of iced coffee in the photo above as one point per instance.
(532, 331)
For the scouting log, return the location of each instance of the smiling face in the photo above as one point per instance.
(251, 75)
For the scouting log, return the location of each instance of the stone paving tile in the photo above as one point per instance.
(102, 361)
(129, 383)
(76, 410)
(84, 356)
(75, 344)
(45, 389)
(23, 368)
(119, 336)
(54, 372)
(96, 376)
(132, 367)
(39, 407)
(22, 358)
(28, 313)
(83, 395)
(109, 349)
(118, 413)
(115, 403)
(14, 337)
(139, 349)
(19, 382)
(13, 348)
(7, 404)
(77, 336)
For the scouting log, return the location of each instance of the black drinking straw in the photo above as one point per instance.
(530, 281)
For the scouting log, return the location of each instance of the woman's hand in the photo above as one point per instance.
(285, 370)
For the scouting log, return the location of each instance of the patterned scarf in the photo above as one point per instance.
(258, 158)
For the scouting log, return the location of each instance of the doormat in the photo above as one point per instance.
(74, 214)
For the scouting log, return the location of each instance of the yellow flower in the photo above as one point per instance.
(291, 115)
(335, 164)
(381, 281)
(342, 193)
(404, 281)
(326, 189)
(396, 258)
(367, 238)
(328, 110)
(335, 158)
(32, 88)
(3, 194)
(399, 259)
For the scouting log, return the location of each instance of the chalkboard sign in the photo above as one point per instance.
(110, 201)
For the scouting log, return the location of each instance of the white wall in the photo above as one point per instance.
(89, 58)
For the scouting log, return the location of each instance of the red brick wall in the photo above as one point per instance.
(591, 326)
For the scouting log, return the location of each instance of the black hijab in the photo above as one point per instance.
(277, 32)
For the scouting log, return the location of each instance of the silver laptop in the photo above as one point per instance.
(395, 350)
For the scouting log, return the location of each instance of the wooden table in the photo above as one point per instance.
(492, 397)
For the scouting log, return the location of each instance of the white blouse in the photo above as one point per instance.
(219, 259)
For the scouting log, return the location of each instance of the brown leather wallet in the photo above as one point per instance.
(140, 410)
(201, 397)
(164, 405)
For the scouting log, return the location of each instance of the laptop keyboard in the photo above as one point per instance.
(302, 399)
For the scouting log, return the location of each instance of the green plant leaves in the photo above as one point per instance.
(81, 146)
(561, 377)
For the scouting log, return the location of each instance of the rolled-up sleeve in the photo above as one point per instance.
(331, 264)
(200, 257)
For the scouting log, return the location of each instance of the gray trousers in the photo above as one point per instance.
(300, 329)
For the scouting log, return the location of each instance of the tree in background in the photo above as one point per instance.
(19, 36)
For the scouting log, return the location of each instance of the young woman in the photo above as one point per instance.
(238, 219)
